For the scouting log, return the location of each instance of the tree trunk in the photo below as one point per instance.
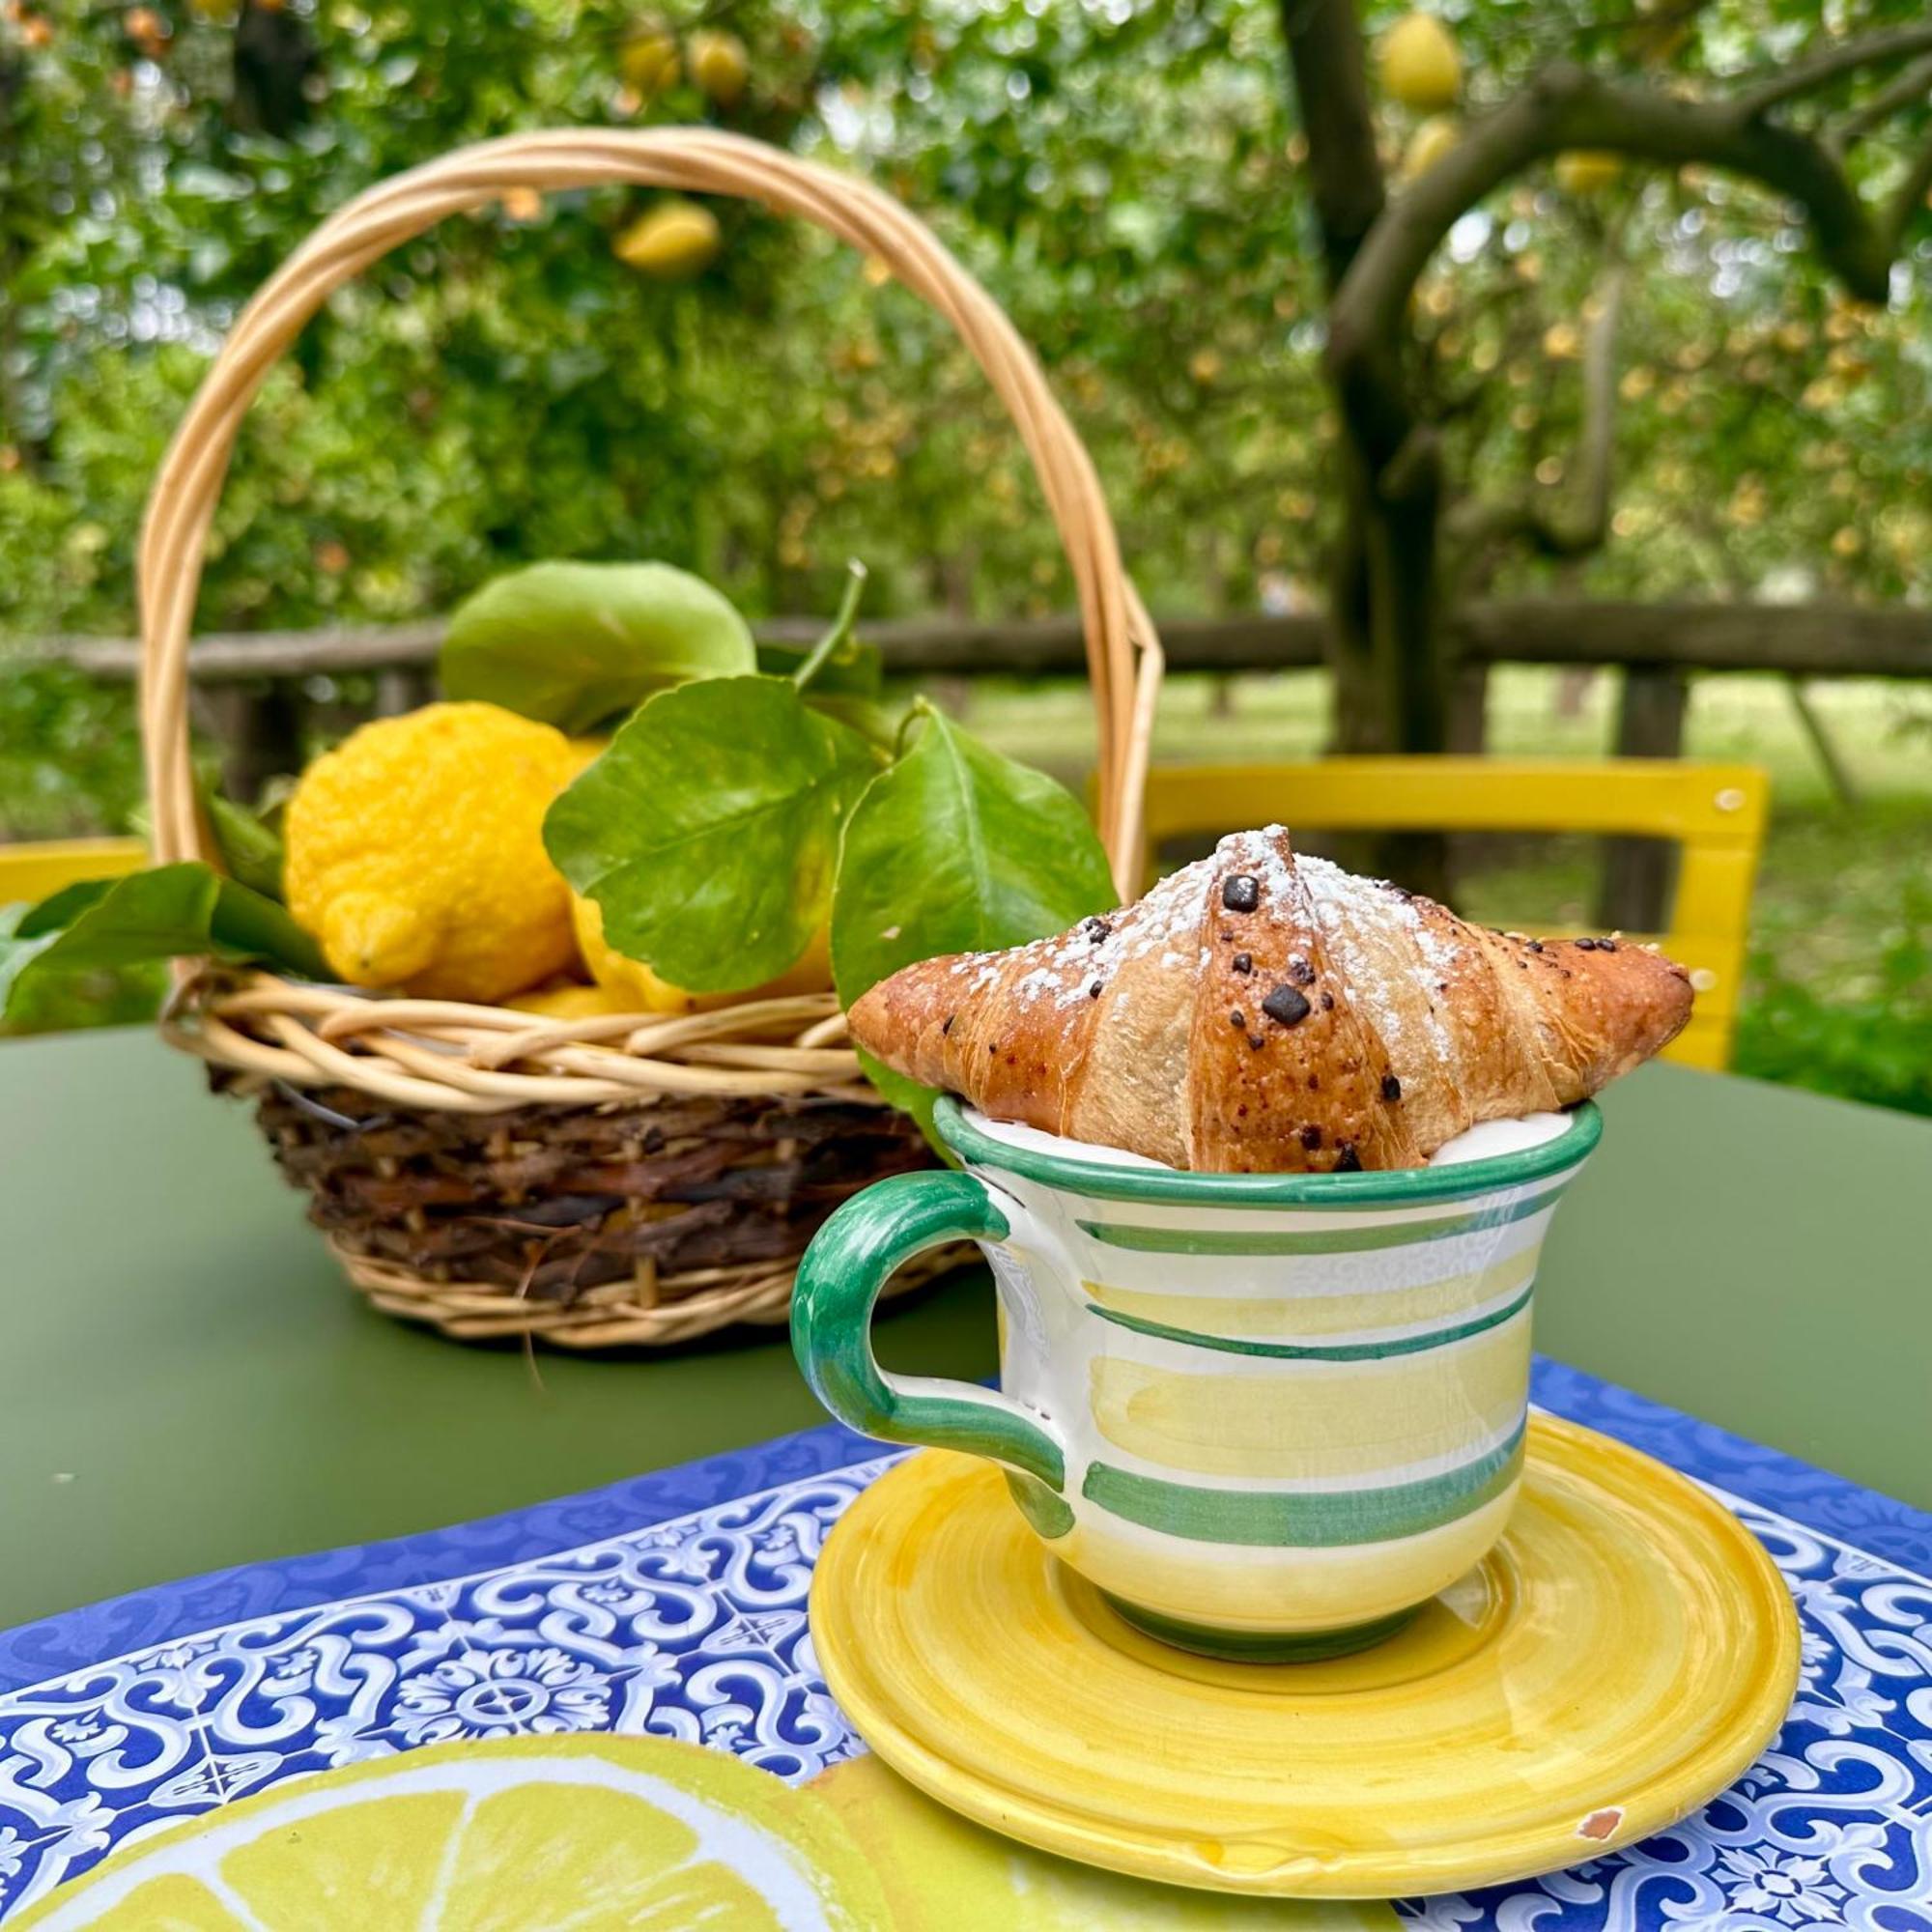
(1386, 650)
(1640, 874)
(1347, 641)
(1384, 646)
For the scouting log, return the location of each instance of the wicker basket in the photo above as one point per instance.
(615, 1180)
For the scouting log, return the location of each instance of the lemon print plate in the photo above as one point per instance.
(594, 1833)
(507, 1835)
(1614, 1662)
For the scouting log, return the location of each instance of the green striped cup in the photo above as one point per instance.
(1267, 1415)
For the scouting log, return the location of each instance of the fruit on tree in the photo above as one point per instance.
(676, 241)
(1428, 144)
(146, 30)
(719, 65)
(1586, 170)
(1420, 67)
(648, 59)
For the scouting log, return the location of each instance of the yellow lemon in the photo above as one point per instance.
(648, 60)
(1420, 67)
(415, 853)
(484, 1836)
(571, 1000)
(1586, 171)
(633, 980)
(719, 65)
(674, 241)
(1428, 144)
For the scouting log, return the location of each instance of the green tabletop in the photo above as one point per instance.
(185, 1382)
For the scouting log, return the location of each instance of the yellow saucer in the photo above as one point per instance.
(1622, 1653)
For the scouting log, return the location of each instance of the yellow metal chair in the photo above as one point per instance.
(28, 873)
(1715, 813)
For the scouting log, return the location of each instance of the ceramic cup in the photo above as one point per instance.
(1267, 1415)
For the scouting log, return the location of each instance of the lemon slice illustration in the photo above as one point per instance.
(589, 1834)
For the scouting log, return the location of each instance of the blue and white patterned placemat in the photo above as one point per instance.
(675, 1605)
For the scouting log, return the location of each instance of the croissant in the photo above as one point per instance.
(1262, 1012)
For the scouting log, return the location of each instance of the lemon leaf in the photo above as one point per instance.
(61, 908)
(957, 849)
(171, 912)
(572, 644)
(708, 832)
(250, 849)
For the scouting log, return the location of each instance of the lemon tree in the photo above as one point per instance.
(495, 1837)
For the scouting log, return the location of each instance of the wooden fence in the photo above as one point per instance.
(254, 692)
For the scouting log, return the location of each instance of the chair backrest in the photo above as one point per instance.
(30, 872)
(1714, 813)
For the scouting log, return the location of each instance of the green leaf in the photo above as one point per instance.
(249, 848)
(246, 926)
(17, 955)
(171, 912)
(864, 715)
(61, 908)
(573, 645)
(957, 849)
(708, 830)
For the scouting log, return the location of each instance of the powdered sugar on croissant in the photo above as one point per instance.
(1260, 1011)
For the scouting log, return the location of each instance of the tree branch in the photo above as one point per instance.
(1910, 87)
(1597, 446)
(1566, 107)
(1905, 203)
(1829, 63)
(1331, 88)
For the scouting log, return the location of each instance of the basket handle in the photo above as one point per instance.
(1122, 653)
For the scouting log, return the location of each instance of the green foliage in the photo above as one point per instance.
(1127, 181)
(573, 645)
(70, 760)
(249, 847)
(708, 832)
(954, 849)
(139, 921)
(731, 817)
(1876, 1046)
(957, 849)
(58, 1003)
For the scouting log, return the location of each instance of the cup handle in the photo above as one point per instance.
(850, 1260)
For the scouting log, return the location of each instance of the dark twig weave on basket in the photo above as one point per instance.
(546, 1206)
